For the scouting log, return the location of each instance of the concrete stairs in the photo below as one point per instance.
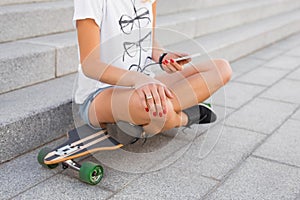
(38, 55)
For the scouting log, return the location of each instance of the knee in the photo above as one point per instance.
(172, 118)
(224, 69)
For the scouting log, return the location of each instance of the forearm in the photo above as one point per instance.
(157, 51)
(113, 75)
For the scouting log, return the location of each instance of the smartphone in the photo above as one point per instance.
(188, 57)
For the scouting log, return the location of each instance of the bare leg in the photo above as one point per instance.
(197, 83)
(189, 87)
(115, 104)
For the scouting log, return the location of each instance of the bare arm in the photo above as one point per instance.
(89, 40)
(157, 50)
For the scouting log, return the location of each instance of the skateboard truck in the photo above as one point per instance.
(72, 164)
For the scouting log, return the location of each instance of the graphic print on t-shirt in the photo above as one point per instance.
(133, 49)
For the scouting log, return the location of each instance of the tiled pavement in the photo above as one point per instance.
(255, 151)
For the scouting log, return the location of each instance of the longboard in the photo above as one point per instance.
(76, 146)
(81, 141)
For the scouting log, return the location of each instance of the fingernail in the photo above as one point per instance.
(165, 111)
(166, 61)
(172, 61)
(154, 114)
(160, 114)
(147, 109)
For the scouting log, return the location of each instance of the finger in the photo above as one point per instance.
(177, 66)
(169, 66)
(157, 101)
(166, 69)
(163, 99)
(168, 93)
(149, 98)
(141, 95)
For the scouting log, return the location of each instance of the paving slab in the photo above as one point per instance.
(219, 150)
(246, 64)
(261, 115)
(64, 187)
(296, 115)
(222, 113)
(169, 183)
(156, 153)
(262, 76)
(113, 180)
(284, 62)
(260, 179)
(289, 43)
(118, 177)
(234, 94)
(283, 145)
(23, 172)
(285, 90)
(295, 75)
(267, 53)
(294, 51)
(285, 45)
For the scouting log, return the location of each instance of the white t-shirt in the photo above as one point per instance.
(126, 36)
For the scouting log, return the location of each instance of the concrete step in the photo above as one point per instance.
(176, 6)
(237, 42)
(28, 62)
(35, 115)
(35, 19)
(20, 20)
(200, 22)
(10, 2)
(56, 55)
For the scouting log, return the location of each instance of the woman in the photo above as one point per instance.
(109, 92)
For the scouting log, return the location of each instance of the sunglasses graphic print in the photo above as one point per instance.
(141, 20)
(140, 42)
(132, 48)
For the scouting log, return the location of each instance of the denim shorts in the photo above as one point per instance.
(84, 108)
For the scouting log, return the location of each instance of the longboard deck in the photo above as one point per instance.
(81, 141)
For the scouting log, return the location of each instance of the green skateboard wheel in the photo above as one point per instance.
(41, 156)
(91, 173)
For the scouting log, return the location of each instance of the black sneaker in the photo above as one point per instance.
(200, 114)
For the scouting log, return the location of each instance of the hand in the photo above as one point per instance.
(154, 96)
(170, 65)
